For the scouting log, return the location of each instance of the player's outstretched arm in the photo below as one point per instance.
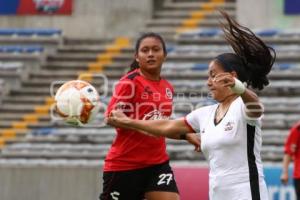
(166, 128)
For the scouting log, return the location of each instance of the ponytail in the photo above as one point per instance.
(134, 65)
(253, 59)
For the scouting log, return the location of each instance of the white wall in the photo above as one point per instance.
(91, 18)
(265, 14)
(50, 182)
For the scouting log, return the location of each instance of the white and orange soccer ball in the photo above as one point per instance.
(77, 102)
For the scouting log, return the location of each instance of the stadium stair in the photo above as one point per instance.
(190, 28)
(28, 107)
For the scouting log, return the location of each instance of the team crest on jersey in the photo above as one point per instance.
(121, 105)
(229, 126)
(169, 94)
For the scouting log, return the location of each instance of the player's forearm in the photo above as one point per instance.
(177, 136)
(285, 163)
(166, 128)
(253, 106)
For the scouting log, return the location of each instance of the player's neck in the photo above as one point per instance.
(224, 105)
(153, 75)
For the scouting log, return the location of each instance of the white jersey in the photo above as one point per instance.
(232, 148)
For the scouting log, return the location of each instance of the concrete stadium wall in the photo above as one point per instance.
(92, 18)
(84, 183)
(50, 183)
(265, 14)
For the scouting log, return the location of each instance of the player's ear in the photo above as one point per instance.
(165, 57)
(234, 74)
(136, 58)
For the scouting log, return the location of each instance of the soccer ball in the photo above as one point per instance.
(77, 102)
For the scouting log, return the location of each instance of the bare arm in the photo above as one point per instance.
(253, 106)
(191, 138)
(166, 128)
(285, 168)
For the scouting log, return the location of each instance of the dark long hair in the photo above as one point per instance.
(252, 60)
(134, 65)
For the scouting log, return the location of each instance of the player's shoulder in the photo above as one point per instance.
(206, 109)
(296, 126)
(238, 102)
(167, 82)
(130, 76)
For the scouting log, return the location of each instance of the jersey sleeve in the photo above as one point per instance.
(291, 142)
(192, 120)
(122, 97)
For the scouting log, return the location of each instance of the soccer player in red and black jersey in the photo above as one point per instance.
(292, 152)
(137, 165)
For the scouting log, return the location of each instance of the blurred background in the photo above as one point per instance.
(46, 42)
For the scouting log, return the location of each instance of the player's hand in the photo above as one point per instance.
(224, 79)
(73, 121)
(284, 178)
(194, 139)
(117, 119)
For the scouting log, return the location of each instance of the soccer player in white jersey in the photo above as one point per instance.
(231, 129)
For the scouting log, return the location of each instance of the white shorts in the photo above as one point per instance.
(241, 191)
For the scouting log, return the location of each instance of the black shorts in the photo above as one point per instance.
(297, 188)
(133, 184)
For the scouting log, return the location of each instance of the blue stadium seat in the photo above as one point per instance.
(33, 49)
(209, 32)
(9, 49)
(287, 66)
(200, 66)
(21, 49)
(6, 32)
(26, 32)
(268, 32)
(170, 49)
(43, 131)
(202, 32)
(47, 32)
(29, 32)
(283, 66)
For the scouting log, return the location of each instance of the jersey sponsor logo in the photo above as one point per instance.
(229, 126)
(121, 105)
(154, 115)
(115, 195)
(169, 94)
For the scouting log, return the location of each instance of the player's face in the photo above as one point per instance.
(217, 90)
(150, 55)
